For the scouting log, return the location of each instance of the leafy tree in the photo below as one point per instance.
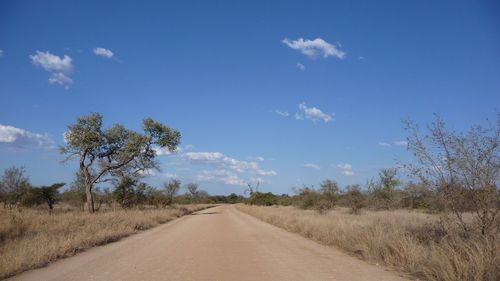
(417, 196)
(384, 190)
(115, 151)
(140, 194)
(355, 198)
(192, 188)
(232, 198)
(330, 193)
(462, 168)
(171, 189)
(13, 185)
(263, 199)
(43, 194)
(75, 195)
(202, 196)
(124, 192)
(307, 197)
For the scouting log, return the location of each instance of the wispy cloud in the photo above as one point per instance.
(217, 158)
(314, 48)
(401, 143)
(170, 175)
(103, 52)
(222, 176)
(59, 67)
(227, 170)
(20, 138)
(394, 143)
(282, 113)
(311, 166)
(301, 66)
(266, 173)
(312, 113)
(384, 143)
(164, 151)
(147, 172)
(1, 53)
(346, 169)
(257, 158)
(60, 78)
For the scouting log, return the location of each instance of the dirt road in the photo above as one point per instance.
(215, 244)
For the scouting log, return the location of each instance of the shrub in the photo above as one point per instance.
(354, 198)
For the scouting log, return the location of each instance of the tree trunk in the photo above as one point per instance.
(90, 198)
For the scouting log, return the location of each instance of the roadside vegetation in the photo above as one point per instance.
(440, 223)
(106, 200)
(31, 238)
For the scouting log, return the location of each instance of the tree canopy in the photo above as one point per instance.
(116, 151)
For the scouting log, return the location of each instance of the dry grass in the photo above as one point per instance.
(32, 238)
(411, 242)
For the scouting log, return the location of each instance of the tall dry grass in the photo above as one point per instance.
(411, 242)
(32, 238)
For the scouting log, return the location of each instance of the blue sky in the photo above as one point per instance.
(287, 92)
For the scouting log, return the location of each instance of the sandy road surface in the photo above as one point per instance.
(215, 244)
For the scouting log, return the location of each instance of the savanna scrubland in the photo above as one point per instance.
(441, 223)
(435, 218)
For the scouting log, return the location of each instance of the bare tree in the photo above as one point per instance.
(252, 188)
(463, 168)
(114, 151)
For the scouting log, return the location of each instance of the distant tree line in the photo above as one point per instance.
(127, 192)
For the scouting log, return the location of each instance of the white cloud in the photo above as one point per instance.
(164, 151)
(21, 138)
(52, 63)
(282, 113)
(59, 67)
(60, 78)
(220, 160)
(266, 173)
(346, 169)
(223, 176)
(384, 143)
(259, 158)
(103, 52)
(189, 147)
(1, 53)
(314, 48)
(147, 172)
(311, 165)
(401, 143)
(313, 113)
(170, 175)
(396, 143)
(301, 66)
